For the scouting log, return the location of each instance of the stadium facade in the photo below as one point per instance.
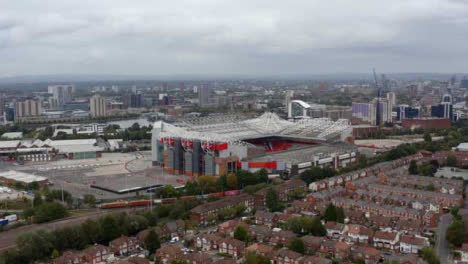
(221, 144)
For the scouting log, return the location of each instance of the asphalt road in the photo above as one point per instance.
(442, 246)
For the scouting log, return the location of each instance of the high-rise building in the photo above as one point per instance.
(204, 94)
(27, 108)
(391, 98)
(444, 109)
(407, 112)
(61, 94)
(136, 100)
(97, 105)
(377, 112)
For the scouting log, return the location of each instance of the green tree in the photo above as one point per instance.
(55, 254)
(330, 213)
(340, 215)
(413, 167)
(297, 245)
(89, 199)
(110, 229)
(152, 241)
(207, 183)
(427, 137)
(317, 228)
(451, 161)
(456, 233)
(253, 258)
(231, 181)
(272, 200)
(430, 256)
(240, 233)
(37, 201)
(49, 211)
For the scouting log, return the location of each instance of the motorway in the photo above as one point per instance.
(8, 238)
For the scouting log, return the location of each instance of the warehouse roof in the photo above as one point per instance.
(21, 176)
(9, 144)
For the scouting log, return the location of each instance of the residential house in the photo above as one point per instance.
(69, 257)
(203, 213)
(359, 234)
(335, 230)
(286, 256)
(260, 249)
(207, 241)
(265, 218)
(412, 243)
(314, 260)
(97, 254)
(260, 233)
(168, 253)
(228, 227)
(282, 237)
(175, 228)
(337, 249)
(386, 239)
(463, 252)
(370, 255)
(198, 258)
(232, 247)
(124, 245)
(138, 260)
(312, 243)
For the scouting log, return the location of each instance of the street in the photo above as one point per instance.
(442, 246)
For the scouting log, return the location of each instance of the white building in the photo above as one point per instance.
(412, 244)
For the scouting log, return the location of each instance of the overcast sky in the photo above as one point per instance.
(256, 37)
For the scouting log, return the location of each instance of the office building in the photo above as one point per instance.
(377, 112)
(444, 109)
(407, 112)
(391, 97)
(204, 94)
(61, 94)
(28, 108)
(98, 106)
(136, 100)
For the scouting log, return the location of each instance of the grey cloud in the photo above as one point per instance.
(231, 37)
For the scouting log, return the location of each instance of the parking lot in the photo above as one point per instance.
(116, 171)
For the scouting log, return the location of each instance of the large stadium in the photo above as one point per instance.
(221, 144)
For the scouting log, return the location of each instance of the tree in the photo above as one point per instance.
(297, 245)
(427, 137)
(430, 256)
(152, 241)
(89, 199)
(49, 211)
(330, 213)
(37, 201)
(240, 233)
(340, 215)
(413, 167)
(55, 254)
(110, 229)
(253, 258)
(231, 181)
(454, 211)
(272, 200)
(451, 161)
(456, 233)
(207, 183)
(317, 229)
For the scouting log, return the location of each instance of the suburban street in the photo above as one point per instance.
(442, 246)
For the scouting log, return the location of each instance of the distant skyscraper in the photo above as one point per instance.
(61, 94)
(407, 112)
(136, 100)
(391, 98)
(444, 109)
(204, 93)
(27, 108)
(97, 105)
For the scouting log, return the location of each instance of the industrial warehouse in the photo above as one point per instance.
(217, 145)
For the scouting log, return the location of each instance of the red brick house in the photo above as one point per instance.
(232, 247)
(265, 218)
(202, 213)
(198, 258)
(168, 253)
(286, 256)
(124, 245)
(97, 254)
(69, 257)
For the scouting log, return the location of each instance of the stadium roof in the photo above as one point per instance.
(232, 128)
